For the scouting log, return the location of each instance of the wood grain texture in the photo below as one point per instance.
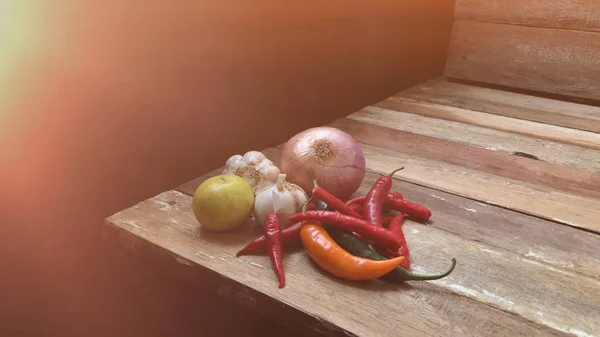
(496, 163)
(530, 237)
(540, 59)
(491, 121)
(506, 281)
(557, 245)
(563, 14)
(553, 152)
(503, 103)
(465, 304)
(516, 195)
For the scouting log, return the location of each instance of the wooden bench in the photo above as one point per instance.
(508, 162)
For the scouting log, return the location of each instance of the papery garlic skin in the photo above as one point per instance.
(254, 167)
(284, 198)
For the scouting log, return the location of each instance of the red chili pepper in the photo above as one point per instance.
(419, 212)
(405, 265)
(360, 200)
(378, 234)
(332, 201)
(273, 236)
(373, 205)
(387, 219)
(288, 236)
(357, 208)
(392, 254)
(384, 251)
(395, 195)
(396, 228)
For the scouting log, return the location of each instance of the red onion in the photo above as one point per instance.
(329, 155)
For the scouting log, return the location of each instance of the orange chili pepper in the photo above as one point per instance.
(333, 258)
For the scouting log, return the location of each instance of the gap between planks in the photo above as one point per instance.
(538, 130)
(508, 282)
(497, 163)
(519, 196)
(554, 152)
(503, 103)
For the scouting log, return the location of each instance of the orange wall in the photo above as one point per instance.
(105, 103)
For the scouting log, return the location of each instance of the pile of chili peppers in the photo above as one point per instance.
(359, 239)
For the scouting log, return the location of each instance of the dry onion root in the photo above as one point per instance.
(329, 155)
(254, 167)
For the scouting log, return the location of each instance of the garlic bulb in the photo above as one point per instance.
(284, 198)
(254, 167)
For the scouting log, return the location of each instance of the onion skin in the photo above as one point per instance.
(329, 155)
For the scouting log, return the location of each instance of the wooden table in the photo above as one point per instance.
(514, 186)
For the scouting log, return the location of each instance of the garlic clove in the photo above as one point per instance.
(261, 206)
(254, 157)
(271, 173)
(234, 162)
(300, 196)
(280, 201)
(233, 158)
(264, 164)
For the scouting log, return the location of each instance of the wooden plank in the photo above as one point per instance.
(504, 103)
(540, 59)
(563, 14)
(497, 163)
(553, 152)
(558, 245)
(166, 224)
(491, 121)
(556, 206)
(503, 280)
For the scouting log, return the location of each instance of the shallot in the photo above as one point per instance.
(329, 155)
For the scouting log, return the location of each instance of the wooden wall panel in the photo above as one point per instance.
(564, 14)
(540, 59)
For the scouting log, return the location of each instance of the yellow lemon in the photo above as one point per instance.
(223, 202)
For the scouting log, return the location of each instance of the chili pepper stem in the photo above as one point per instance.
(394, 171)
(410, 276)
